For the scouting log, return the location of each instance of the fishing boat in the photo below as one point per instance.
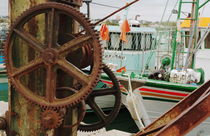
(163, 66)
(156, 75)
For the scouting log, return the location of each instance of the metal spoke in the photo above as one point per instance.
(33, 42)
(53, 26)
(74, 44)
(97, 110)
(28, 67)
(74, 71)
(50, 84)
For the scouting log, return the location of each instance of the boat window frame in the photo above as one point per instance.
(139, 41)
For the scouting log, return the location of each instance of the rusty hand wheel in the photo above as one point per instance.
(51, 55)
(104, 118)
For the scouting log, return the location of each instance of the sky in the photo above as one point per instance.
(150, 10)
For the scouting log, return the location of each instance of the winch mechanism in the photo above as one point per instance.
(53, 56)
(75, 56)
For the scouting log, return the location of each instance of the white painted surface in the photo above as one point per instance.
(3, 108)
(103, 132)
(203, 61)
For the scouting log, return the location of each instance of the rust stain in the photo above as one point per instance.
(32, 3)
(33, 27)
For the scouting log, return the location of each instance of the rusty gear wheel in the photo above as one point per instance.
(51, 55)
(51, 119)
(105, 118)
(80, 107)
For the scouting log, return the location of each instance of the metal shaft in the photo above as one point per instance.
(127, 5)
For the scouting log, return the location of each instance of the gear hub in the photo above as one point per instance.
(49, 56)
(52, 55)
(51, 119)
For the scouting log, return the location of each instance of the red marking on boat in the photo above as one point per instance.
(108, 82)
(162, 92)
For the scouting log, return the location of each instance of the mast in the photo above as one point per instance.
(193, 33)
(190, 60)
(177, 43)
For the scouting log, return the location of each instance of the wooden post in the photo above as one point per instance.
(24, 117)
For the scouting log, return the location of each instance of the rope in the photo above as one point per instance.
(171, 12)
(104, 5)
(203, 10)
(130, 93)
(164, 11)
(190, 54)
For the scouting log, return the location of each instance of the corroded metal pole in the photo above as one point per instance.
(24, 116)
(127, 5)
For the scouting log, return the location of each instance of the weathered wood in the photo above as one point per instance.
(24, 116)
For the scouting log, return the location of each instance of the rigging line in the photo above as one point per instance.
(104, 5)
(173, 9)
(164, 11)
(203, 10)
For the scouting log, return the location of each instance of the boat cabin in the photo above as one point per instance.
(136, 54)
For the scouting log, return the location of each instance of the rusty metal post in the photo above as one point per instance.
(24, 117)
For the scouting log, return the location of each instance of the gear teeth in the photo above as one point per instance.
(92, 26)
(51, 119)
(48, 108)
(111, 116)
(79, 17)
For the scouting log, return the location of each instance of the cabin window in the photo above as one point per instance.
(136, 45)
(153, 42)
(148, 42)
(128, 45)
(109, 42)
(143, 41)
(114, 41)
(139, 37)
(134, 42)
